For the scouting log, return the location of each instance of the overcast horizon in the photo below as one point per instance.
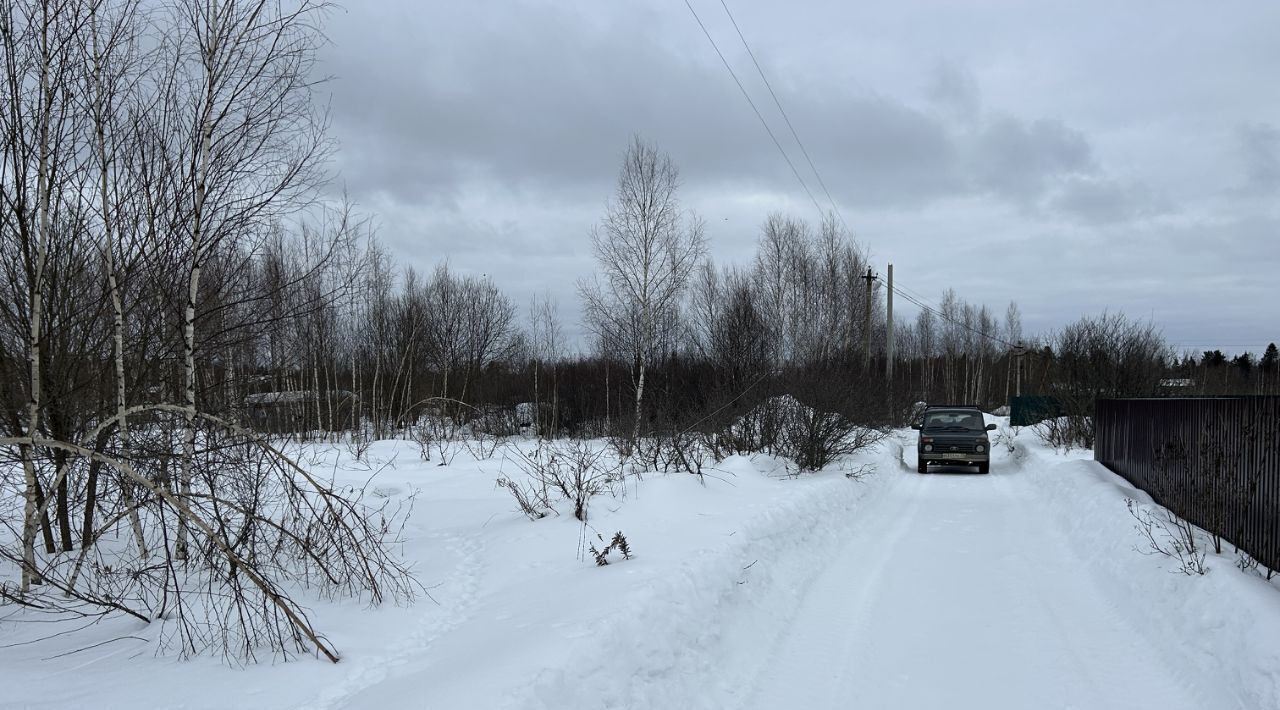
(1072, 157)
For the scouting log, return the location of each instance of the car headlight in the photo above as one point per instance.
(980, 448)
(928, 447)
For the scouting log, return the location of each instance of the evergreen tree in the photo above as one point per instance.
(1244, 363)
(1213, 358)
(1270, 360)
(1268, 365)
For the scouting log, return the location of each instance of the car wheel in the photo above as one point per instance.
(922, 467)
(984, 467)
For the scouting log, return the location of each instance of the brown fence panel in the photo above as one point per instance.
(1212, 461)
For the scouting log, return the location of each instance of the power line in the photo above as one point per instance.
(747, 96)
(910, 296)
(899, 288)
(919, 300)
(939, 314)
(1217, 345)
(785, 117)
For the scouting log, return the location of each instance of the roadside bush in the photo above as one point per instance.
(1167, 534)
(784, 426)
(813, 439)
(568, 469)
(757, 430)
(1068, 432)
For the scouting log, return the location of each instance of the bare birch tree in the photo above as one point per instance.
(546, 341)
(106, 153)
(42, 141)
(257, 150)
(647, 249)
(114, 54)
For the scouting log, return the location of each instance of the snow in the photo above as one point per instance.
(748, 588)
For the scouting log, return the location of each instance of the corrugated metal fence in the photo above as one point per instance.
(1213, 461)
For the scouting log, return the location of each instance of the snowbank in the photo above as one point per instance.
(1225, 624)
(517, 617)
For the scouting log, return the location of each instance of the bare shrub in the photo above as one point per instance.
(859, 472)
(482, 445)
(758, 430)
(358, 442)
(571, 468)
(1246, 563)
(1007, 440)
(1167, 534)
(421, 434)
(495, 421)
(532, 501)
(443, 433)
(812, 433)
(677, 450)
(813, 439)
(260, 528)
(1067, 432)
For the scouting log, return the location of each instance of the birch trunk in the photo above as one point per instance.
(646, 337)
(635, 430)
(30, 517)
(117, 302)
(193, 291)
(315, 388)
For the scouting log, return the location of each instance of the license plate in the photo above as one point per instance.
(955, 456)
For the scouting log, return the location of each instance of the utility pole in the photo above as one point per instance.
(888, 330)
(1018, 352)
(866, 322)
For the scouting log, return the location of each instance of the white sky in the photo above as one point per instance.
(1072, 156)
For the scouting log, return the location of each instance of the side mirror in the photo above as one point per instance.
(991, 427)
(916, 427)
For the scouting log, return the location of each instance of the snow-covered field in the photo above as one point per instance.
(747, 589)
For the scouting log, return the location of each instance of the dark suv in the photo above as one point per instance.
(953, 434)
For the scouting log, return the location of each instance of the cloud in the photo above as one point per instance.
(1259, 146)
(1019, 160)
(554, 117)
(1102, 200)
(492, 103)
(954, 87)
(876, 152)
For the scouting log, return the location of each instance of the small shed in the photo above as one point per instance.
(295, 411)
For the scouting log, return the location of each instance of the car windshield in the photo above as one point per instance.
(952, 420)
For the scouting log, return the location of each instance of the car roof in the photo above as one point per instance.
(954, 414)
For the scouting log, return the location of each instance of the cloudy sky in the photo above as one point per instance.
(1074, 157)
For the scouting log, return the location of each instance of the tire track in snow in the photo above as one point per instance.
(956, 594)
(793, 679)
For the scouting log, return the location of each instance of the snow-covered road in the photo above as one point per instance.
(959, 591)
